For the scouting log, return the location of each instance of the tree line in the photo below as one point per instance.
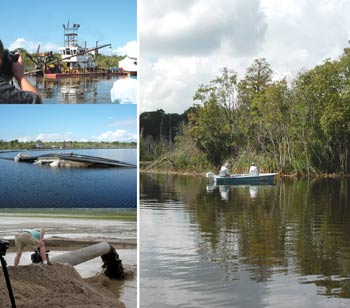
(299, 126)
(103, 61)
(38, 144)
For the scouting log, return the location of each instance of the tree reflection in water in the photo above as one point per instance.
(295, 227)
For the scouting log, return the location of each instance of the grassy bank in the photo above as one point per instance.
(94, 214)
(237, 169)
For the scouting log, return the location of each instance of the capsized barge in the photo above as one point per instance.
(72, 160)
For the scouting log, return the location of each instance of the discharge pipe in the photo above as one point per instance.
(111, 263)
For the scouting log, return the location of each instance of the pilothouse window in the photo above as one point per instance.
(67, 51)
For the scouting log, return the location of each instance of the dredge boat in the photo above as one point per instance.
(77, 60)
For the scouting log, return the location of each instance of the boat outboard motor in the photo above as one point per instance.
(211, 176)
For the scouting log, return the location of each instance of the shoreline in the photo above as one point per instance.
(118, 214)
(279, 175)
(10, 150)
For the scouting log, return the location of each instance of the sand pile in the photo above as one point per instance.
(58, 285)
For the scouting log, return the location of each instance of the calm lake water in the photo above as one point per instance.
(87, 90)
(24, 185)
(286, 245)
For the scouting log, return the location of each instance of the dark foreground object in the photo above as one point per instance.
(4, 245)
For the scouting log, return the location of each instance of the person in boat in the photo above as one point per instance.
(9, 94)
(253, 170)
(224, 170)
(33, 239)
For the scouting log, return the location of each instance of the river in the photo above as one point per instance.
(86, 90)
(24, 185)
(285, 245)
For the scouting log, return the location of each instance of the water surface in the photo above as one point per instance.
(85, 90)
(24, 185)
(285, 245)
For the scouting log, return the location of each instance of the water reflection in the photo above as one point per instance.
(292, 240)
(75, 90)
(226, 190)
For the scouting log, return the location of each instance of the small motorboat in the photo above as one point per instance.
(239, 179)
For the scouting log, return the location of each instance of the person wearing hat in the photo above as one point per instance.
(224, 170)
(253, 170)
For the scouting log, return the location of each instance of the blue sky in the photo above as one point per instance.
(68, 122)
(106, 21)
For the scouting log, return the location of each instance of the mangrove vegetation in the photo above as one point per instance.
(298, 126)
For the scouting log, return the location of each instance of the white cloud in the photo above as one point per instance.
(32, 46)
(301, 34)
(130, 49)
(201, 27)
(186, 43)
(51, 137)
(120, 135)
(25, 139)
(172, 81)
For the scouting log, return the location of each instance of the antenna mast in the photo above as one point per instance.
(71, 35)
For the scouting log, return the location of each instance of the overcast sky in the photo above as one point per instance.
(186, 43)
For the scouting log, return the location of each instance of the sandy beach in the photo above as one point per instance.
(64, 285)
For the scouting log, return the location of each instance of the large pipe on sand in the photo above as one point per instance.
(112, 264)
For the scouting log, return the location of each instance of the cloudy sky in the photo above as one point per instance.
(57, 122)
(186, 43)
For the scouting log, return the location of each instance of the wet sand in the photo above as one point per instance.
(66, 234)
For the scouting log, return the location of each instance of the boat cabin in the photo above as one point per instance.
(73, 55)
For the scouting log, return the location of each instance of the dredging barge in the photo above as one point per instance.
(76, 60)
(71, 160)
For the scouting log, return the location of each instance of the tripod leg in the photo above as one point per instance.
(8, 282)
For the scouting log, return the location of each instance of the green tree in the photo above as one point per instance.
(321, 97)
(213, 122)
(251, 97)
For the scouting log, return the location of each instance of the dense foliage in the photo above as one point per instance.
(300, 126)
(108, 61)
